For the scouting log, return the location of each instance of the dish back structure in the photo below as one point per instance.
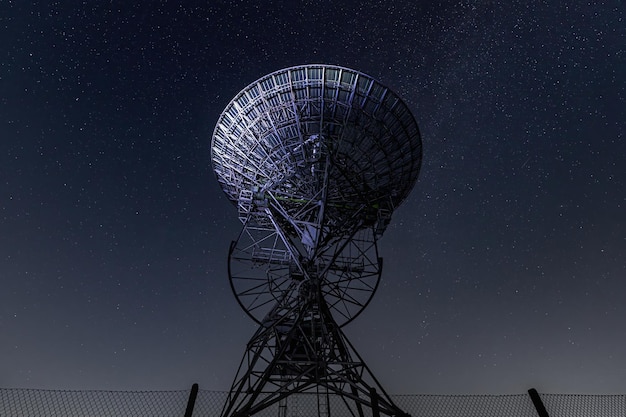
(315, 158)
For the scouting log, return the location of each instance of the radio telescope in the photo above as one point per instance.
(315, 158)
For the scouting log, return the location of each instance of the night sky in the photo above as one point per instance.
(505, 268)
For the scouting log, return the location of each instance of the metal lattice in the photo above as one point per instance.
(577, 405)
(315, 158)
(273, 136)
(49, 403)
(16, 402)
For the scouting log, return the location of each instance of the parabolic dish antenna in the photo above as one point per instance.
(315, 158)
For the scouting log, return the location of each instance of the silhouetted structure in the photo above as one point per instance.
(315, 158)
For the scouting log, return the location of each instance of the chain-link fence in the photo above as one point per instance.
(571, 405)
(15, 402)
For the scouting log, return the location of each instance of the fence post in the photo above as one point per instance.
(192, 400)
(374, 402)
(541, 409)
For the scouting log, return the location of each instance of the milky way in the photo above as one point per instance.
(504, 269)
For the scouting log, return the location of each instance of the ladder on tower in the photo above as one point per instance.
(282, 407)
(323, 407)
(284, 411)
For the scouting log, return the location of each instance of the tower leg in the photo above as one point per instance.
(303, 350)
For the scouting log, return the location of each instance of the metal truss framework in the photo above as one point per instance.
(300, 349)
(315, 158)
(272, 136)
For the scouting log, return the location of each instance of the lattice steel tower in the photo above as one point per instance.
(316, 158)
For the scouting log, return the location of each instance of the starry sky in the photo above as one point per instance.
(505, 268)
